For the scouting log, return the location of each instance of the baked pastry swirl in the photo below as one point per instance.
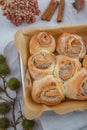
(76, 88)
(85, 62)
(66, 67)
(42, 41)
(71, 45)
(41, 64)
(48, 91)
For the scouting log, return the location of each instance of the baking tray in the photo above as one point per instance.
(33, 110)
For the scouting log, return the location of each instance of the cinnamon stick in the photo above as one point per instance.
(52, 10)
(43, 17)
(61, 10)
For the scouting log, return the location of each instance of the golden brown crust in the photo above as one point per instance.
(48, 91)
(76, 88)
(42, 41)
(71, 45)
(85, 62)
(41, 64)
(66, 67)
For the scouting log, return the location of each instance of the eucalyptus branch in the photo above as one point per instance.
(6, 93)
(5, 87)
(12, 102)
(21, 117)
(4, 82)
(5, 100)
(13, 84)
(14, 122)
(13, 115)
(21, 114)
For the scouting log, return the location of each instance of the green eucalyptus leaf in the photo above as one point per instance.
(2, 58)
(4, 123)
(4, 108)
(13, 83)
(28, 124)
(4, 69)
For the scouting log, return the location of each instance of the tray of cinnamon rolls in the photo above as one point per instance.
(53, 68)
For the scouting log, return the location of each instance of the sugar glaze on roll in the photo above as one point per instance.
(41, 64)
(48, 91)
(71, 45)
(76, 88)
(66, 67)
(42, 41)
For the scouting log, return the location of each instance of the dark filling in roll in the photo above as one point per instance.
(43, 61)
(67, 71)
(84, 88)
(49, 94)
(44, 39)
(73, 49)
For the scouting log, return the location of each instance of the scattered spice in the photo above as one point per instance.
(2, 2)
(18, 11)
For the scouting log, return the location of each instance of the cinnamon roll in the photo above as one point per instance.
(48, 91)
(71, 45)
(42, 41)
(85, 62)
(66, 67)
(76, 88)
(41, 64)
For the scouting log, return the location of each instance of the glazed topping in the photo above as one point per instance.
(67, 70)
(44, 39)
(84, 88)
(43, 60)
